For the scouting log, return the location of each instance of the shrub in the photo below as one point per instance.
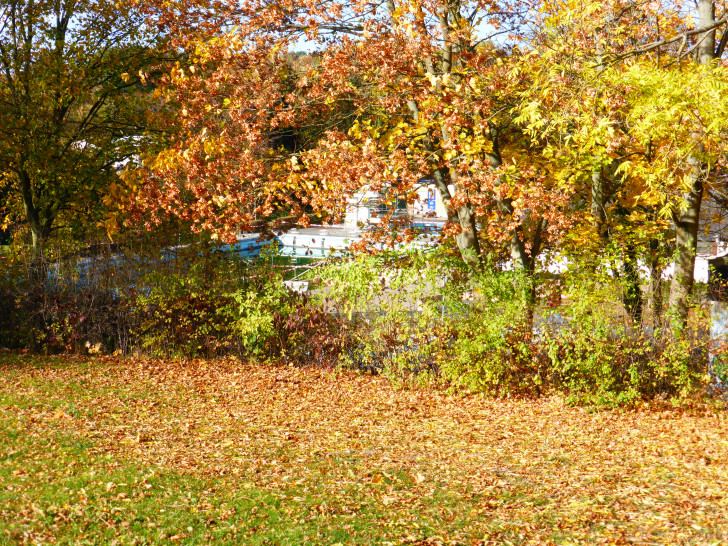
(188, 300)
(54, 306)
(393, 304)
(420, 314)
(493, 349)
(413, 316)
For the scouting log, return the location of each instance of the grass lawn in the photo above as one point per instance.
(127, 451)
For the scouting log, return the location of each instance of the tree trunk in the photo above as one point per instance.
(655, 285)
(521, 259)
(598, 202)
(687, 219)
(40, 226)
(632, 292)
(467, 239)
(706, 16)
(686, 243)
(598, 209)
(519, 255)
(31, 212)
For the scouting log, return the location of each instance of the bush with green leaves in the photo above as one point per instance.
(603, 356)
(220, 305)
(159, 298)
(184, 313)
(62, 302)
(493, 347)
(417, 315)
(274, 322)
(394, 303)
(420, 314)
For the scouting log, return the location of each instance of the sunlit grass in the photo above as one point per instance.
(97, 451)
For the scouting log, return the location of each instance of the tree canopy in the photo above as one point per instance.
(74, 105)
(588, 125)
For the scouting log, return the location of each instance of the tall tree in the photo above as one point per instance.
(687, 215)
(71, 76)
(629, 113)
(580, 114)
(429, 94)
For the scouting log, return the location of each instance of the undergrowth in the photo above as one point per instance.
(419, 317)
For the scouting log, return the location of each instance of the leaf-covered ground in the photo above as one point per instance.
(146, 451)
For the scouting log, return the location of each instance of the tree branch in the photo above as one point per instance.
(662, 42)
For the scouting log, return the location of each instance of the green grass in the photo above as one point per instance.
(57, 486)
(60, 486)
(130, 452)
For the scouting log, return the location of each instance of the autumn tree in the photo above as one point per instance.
(532, 120)
(430, 96)
(626, 111)
(71, 83)
(687, 216)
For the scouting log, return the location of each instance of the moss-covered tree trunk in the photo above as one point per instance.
(687, 218)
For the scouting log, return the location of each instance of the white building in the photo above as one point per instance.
(367, 207)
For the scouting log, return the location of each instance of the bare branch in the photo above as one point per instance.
(662, 42)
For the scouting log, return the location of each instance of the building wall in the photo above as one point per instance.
(429, 204)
